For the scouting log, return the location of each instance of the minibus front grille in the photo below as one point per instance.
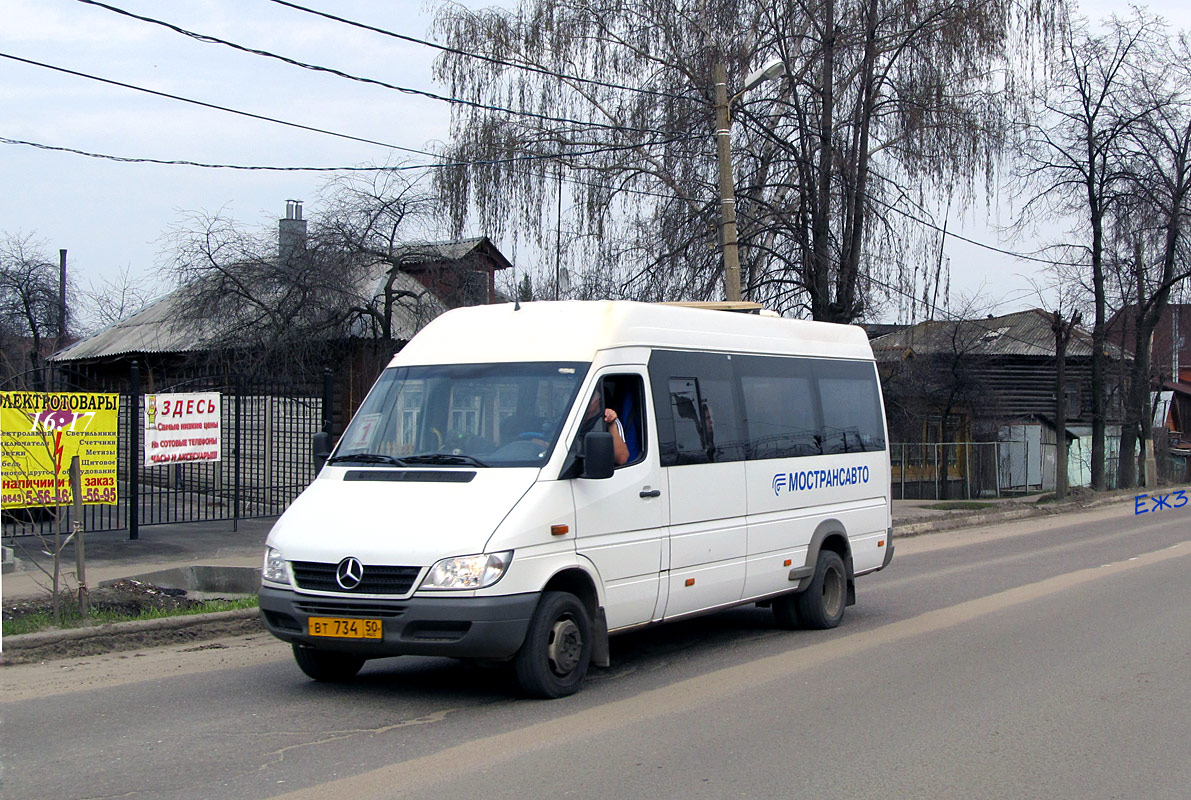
(319, 577)
(335, 608)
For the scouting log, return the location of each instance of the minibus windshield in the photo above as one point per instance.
(465, 415)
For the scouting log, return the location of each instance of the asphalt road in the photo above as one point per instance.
(1045, 658)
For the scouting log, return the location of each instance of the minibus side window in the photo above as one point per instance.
(695, 398)
(694, 440)
(780, 407)
(851, 407)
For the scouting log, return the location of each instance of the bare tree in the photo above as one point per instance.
(29, 304)
(1151, 222)
(882, 103)
(238, 299)
(251, 300)
(378, 223)
(1063, 329)
(110, 300)
(1072, 161)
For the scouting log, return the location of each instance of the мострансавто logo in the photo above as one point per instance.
(819, 479)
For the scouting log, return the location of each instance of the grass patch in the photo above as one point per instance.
(959, 505)
(42, 619)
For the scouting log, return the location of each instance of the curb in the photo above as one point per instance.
(992, 517)
(118, 636)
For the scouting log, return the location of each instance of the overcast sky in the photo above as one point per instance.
(111, 216)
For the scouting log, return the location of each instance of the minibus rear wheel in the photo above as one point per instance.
(821, 605)
(553, 660)
(327, 665)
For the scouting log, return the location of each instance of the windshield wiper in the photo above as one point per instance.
(444, 459)
(367, 458)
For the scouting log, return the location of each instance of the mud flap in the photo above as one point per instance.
(600, 651)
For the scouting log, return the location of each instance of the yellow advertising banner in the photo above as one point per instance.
(39, 434)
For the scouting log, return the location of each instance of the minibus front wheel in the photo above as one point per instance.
(553, 660)
(326, 665)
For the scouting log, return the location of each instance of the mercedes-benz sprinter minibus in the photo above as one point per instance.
(524, 481)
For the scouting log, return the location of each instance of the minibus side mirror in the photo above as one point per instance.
(320, 447)
(598, 458)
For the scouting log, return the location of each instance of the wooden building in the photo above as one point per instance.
(994, 380)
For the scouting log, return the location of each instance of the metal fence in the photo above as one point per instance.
(266, 429)
(970, 470)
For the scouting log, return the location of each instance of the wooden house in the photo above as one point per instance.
(952, 383)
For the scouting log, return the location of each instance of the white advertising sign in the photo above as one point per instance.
(181, 427)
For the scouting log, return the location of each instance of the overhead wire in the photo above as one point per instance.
(208, 39)
(479, 56)
(356, 168)
(215, 106)
(768, 133)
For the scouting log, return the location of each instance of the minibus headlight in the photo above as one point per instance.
(468, 572)
(274, 570)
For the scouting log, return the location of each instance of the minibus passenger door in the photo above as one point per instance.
(621, 520)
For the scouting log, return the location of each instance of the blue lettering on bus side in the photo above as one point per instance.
(818, 479)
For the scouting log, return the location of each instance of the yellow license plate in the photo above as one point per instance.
(344, 628)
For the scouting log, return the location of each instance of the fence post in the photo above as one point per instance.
(968, 469)
(936, 448)
(270, 473)
(134, 456)
(903, 472)
(236, 488)
(328, 400)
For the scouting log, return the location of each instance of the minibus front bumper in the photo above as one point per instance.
(458, 627)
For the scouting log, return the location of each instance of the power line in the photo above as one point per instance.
(768, 133)
(203, 104)
(185, 163)
(207, 39)
(397, 168)
(953, 235)
(491, 60)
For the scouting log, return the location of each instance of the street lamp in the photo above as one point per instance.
(723, 122)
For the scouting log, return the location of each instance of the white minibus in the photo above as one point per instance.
(525, 480)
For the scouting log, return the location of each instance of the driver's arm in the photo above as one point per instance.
(620, 450)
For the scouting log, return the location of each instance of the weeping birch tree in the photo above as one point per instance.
(885, 108)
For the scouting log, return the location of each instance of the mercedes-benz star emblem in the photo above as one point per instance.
(349, 573)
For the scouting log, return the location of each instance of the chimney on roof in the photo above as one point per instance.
(291, 233)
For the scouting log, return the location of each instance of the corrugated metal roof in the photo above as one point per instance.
(1024, 333)
(156, 328)
(160, 328)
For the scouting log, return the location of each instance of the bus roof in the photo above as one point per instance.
(574, 330)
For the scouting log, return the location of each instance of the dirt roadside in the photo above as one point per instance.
(125, 597)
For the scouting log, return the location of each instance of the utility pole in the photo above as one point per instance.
(727, 185)
(61, 297)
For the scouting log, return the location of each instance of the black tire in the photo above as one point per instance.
(327, 665)
(785, 611)
(553, 660)
(821, 605)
